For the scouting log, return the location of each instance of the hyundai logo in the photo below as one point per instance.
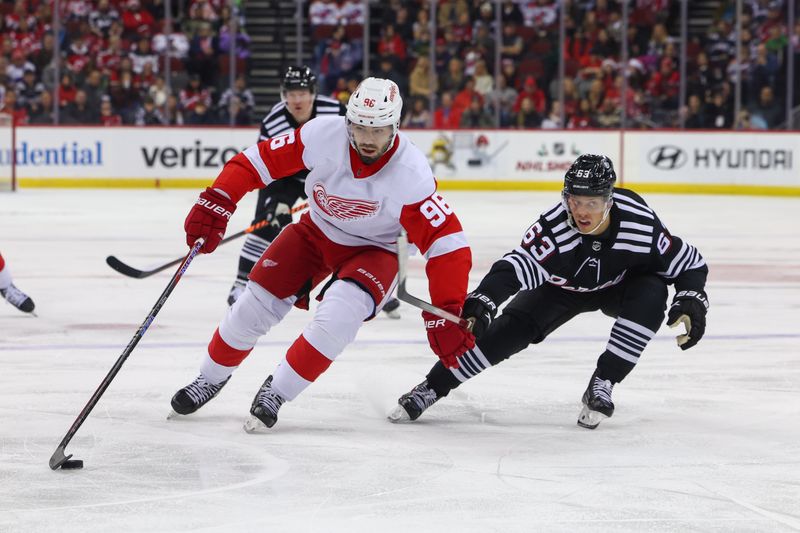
(667, 157)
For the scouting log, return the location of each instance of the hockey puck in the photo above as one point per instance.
(73, 464)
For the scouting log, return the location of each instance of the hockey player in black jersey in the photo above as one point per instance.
(600, 248)
(299, 104)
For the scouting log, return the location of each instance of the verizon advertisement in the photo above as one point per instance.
(713, 158)
(127, 153)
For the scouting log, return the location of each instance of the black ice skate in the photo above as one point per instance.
(265, 408)
(194, 396)
(597, 404)
(412, 404)
(17, 298)
(391, 308)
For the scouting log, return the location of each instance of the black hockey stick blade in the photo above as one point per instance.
(131, 272)
(58, 458)
(402, 293)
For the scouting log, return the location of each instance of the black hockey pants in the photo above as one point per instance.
(637, 303)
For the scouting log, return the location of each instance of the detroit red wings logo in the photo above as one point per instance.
(343, 208)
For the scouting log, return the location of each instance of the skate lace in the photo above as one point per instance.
(601, 388)
(269, 399)
(423, 396)
(14, 296)
(200, 391)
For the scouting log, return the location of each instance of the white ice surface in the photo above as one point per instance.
(703, 440)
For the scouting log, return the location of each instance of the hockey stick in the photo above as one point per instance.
(58, 459)
(402, 293)
(132, 272)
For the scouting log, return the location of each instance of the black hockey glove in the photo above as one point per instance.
(481, 308)
(689, 308)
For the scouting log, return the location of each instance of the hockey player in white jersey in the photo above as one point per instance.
(366, 182)
(299, 103)
(600, 248)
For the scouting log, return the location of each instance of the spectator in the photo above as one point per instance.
(387, 70)
(66, 91)
(10, 106)
(418, 117)
(475, 115)
(512, 44)
(44, 55)
(527, 117)
(148, 114)
(505, 97)
(28, 89)
(41, 110)
(465, 96)
(94, 88)
(203, 54)
(766, 113)
(531, 90)
(764, 69)
(454, 79)
(200, 115)
(136, 21)
(125, 95)
(239, 90)
(173, 43)
(108, 117)
(511, 13)
(664, 85)
(422, 82)
(608, 115)
(78, 111)
(236, 109)
(339, 57)
(141, 55)
(582, 118)
(242, 45)
(446, 117)
(323, 13)
(392, 44)
(19, 64)
(172, 112)
(159, 92)
(553, 119)
(102, 17)
(695, 114)
(719, 114)
(194, 93)
(484, 82)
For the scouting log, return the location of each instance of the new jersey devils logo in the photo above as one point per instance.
(343, 208)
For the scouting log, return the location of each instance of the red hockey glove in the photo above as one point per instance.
(208, 219)
(447, 339)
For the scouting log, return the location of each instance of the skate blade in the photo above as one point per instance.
(174, 415)
(398, 415)
(254, 425)
(590, 419)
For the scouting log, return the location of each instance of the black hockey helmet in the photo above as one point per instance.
(299, 77)
(590, 175)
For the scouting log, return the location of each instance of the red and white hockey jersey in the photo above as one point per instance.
(355, 204)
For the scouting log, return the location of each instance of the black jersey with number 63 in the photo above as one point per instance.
(635, 242)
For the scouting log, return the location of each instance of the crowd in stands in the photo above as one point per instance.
(466, 93)
(114, 56)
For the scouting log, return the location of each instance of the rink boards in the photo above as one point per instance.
(661, 161)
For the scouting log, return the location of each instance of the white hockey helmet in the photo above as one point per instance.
(376, 102)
